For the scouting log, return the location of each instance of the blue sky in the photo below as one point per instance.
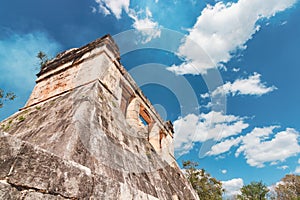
(225, 72)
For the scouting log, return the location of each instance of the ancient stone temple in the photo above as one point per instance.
(88, 132)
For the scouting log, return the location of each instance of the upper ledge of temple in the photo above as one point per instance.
(72, 54)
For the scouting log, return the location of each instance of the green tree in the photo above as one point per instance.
(254, 191)
(43, 58)
(206, 186)
(6, 96)
(289, 188)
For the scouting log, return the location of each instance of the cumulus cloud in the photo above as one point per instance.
(224, 171)
(261, 146)
(232, 187)
(223, 29)
(251, 85)
(200, 128)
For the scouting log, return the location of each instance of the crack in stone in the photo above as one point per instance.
(27, 188)
(12, 167)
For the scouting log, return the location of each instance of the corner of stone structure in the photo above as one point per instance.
(100, 61)
(69, 69)
(88, 131)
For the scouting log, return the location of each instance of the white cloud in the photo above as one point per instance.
(236, 69)
(223, 29)
(113, 7)
(284, 167)
(259, 146)
(224, 171)
(272, 192)
(200, 128)
(224, 146)
(283, 23)
(142, 20)
(247, 86)
(205, 95)
(297, 170)
(193, 66)
(232, 187)
(148, 28)
(103, 10)
(94, 10)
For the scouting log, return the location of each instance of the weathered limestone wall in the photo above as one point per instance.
(72, 69)
(82, 138)
(77, 146)
(77, 67)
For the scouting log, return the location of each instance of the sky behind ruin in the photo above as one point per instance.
(253, 45)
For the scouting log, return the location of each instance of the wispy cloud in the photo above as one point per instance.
(223, 29)
(283, 23)
(283, 167)
(236, 69)
(115, 7)
(148, 28)
(142, 19)
(224, 146)
(251, 85)
(18, 64)
(297, 170)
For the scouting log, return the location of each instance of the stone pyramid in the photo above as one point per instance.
(88, 132)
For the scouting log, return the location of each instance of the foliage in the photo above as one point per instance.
(6, 96)
(43, 58)
(21, 118)
(289, 188)
(206, 186)
(254, 191)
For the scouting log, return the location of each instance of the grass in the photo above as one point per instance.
(21, 118)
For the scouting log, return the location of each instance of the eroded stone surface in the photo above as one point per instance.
(80, 142)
